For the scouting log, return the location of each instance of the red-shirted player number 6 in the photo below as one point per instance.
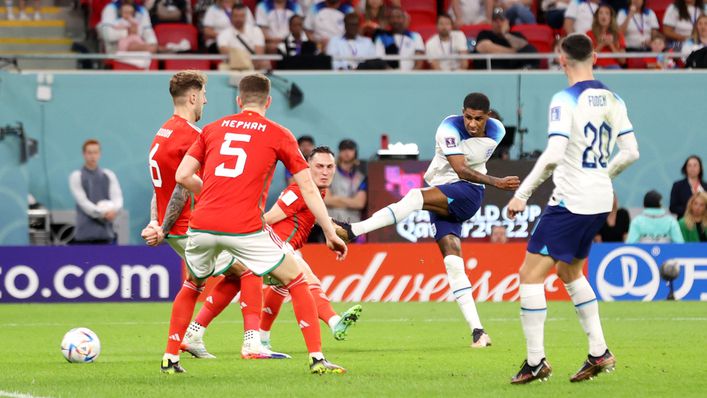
(239, 153)
(156, 175)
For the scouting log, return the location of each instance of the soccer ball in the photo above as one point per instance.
(670, 270)
(80, 345)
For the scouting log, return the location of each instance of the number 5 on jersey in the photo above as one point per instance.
(239, 153)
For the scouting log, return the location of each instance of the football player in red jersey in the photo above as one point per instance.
(237, 155)
(292, 221)
(171, 143)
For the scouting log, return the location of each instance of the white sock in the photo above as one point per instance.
(316, 355)
(264, 335)
(533, 311)
(171, 357)
(196, 330)
(587, 308)
(251, 335)
(461, 288)
(333, 321)
(391, 214)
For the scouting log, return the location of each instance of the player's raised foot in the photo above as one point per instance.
(480, 339)
(348, 318)
(595, 365)
(321, 366)
(254, 350)
(170, 367)
(344, 231)
(527, 373)
(196, 348)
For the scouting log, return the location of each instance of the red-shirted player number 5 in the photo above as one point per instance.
(239, 153)
(156, 175)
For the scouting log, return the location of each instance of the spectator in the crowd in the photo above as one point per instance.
(351, 44)
(654, 225)
(579, 15)
(607, 38)
(518, 11)
(447, 42)
(217, 19)
(297, 40)
(112, 25)
(470, 12)
(306, 145)
(500, 40)
(658, 45)
(554, 12)
(98, 198)
(242, 36)
(693, 225)
(698, 40)
(615, 229)
(375, 16)
(400, 41)
(499, 234)
(22, 5)
(326, 20)
(638, 24)
(679, 20)
(128, 33)
(170, 11)
(693, 182)
(347, 195)
(273, 17)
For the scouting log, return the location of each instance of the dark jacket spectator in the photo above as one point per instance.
(500, 40)
(684, 189)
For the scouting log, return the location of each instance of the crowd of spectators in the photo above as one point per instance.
(370, 29)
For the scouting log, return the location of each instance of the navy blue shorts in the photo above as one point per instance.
(563, 235)
(463, 200)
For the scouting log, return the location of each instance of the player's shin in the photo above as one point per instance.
(251, 302)
(324, 309)
(461, 288)
(306, 314)
(390, 214)
(274, 297)
(587, 308)
(533, 311)
(182, 311)
(221, 296)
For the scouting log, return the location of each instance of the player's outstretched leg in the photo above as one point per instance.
(339, 324)
(182, 311)
(274, 297)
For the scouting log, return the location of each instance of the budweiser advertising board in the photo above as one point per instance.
(415, 272)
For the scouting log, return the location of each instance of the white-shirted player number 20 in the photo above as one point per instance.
(597, 152)
(239, 153)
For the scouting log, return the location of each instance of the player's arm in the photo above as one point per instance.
(180, 197)
(628, 153)
(153, 210)
(458, 163)
(186, 174)
(275, 215)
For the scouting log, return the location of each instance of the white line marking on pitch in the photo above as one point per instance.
(10, 394)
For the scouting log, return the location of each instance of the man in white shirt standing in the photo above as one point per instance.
(400, 41)
(351, 44)
(579, 15)
(241, 35)
(98, 198)
(326, 20)
(273, 16)
(217, 19)
(447, 42)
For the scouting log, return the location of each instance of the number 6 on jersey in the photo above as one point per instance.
(239, 153)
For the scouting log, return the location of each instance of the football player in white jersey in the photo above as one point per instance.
(586, 121)
(457, 178)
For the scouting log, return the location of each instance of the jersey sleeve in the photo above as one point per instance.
(291, 202)
(448, 138)
(623, 123)
(560, 117)
(571, 11)
(198, 149)
(289, 154)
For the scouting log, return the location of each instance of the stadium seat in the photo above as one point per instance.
(181, 64)
(471, 31)
(636, 63)
(540, 36)
(659, 7)
(117, 65)
(250, 4)
(419, 5)
(176, 32)
(95, 10)
(421, 17)
(426, 31)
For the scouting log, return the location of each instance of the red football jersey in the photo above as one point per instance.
(171, 143)
(296, 227)
(238, 154)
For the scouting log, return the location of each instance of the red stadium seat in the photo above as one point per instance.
(419, 5)
(426, 31)
(473, 30)
(176, 32)
(182, 64)
(421, 17)
(117, 65)
(540, 36)
(96, 8)
(636, 63)
(250, 4)
(659, 7)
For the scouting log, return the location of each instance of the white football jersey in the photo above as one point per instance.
(591, 117)
(453, 139)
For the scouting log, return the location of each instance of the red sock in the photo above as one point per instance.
(324, 308)
(220, 297)
(182, 311)
(306, 313)
(251, 300)
(274, 297)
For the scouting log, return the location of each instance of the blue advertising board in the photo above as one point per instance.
(619, 271)
(88, 274)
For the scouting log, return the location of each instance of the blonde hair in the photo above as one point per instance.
(695, 33)
(613, 28)
(689, 218)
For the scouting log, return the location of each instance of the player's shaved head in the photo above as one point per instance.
(182, 82)
(477, 101)
(577, 47)
(254, 89)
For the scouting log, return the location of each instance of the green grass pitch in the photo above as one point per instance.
(396, 350)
